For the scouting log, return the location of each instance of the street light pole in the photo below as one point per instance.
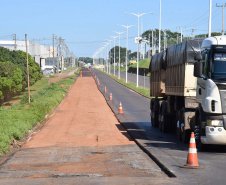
(109, 68)
(127, 27)
(114, 52)
(138, 16)
(160, 26)
(107, 57)
(210, 15)
(106, 54)
(119, 33)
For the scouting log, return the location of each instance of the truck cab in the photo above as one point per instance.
(210, 116)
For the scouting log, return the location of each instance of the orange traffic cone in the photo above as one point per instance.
(110, 96)
(120, 111)
(192, 159)
(105, 90)
(98, 82)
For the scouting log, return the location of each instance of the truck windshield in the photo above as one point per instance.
(219, 66)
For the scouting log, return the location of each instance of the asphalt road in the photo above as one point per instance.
(170, 152)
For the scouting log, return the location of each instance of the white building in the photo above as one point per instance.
(39, 52)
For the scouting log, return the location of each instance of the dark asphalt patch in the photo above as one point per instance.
(86, 72)
(101, 161)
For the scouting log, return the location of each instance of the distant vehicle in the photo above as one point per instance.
(188, 81)
(47, 71)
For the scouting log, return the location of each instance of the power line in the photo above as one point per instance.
(205, 19)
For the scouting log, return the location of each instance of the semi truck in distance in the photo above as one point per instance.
(188, 86)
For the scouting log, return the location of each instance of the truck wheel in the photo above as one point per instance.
(156, 122)
(178, 125)
(160, 121)
(164, 123)
(152, 119)
(156, 113)
(152, 112)
(164, 118)
(199, 145)
(184, 133)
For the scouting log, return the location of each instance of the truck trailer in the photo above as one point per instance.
(188, 83)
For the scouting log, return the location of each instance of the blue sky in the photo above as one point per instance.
(86, 24)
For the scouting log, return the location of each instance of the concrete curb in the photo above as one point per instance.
(121, 118)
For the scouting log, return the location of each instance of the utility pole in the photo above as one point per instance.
(164, 39)
(28, 82)
(15, 42)
(177, 38)
(193, 36)
(60, 53)
(223, 6)
(109, 68)
(152, 43)
(149, 45)
(181, 36)
(53, 56)
(210, 17)
(58, 57)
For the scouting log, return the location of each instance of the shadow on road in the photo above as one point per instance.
(156, 138)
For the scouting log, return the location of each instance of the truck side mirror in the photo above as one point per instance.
(198, 69)
(198, 57)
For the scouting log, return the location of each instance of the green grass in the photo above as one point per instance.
(39, 85)
(53, 76)
(141, 90)
(78, 71)
(34, 88)
(71, 68)
(121, 69)
(17, 120)
(142, 64)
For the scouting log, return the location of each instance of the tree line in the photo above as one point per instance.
(13, 72)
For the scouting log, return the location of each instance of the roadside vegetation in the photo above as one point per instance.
(71, 68)
(142, 64)
(13, 72)
(78, 71)
(121, 69)
(17, 120)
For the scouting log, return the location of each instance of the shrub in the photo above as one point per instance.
(10, 79)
